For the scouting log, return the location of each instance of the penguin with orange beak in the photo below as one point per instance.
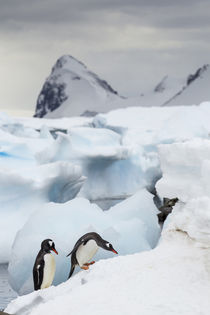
(85, 248)
(44, 266)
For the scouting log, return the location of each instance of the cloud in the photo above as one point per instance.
(72, 12)
(132, 44)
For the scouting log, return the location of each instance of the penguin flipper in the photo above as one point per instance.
(71, 270)
(38, 273)
(36, 280)
(82, 240)
(69, 253)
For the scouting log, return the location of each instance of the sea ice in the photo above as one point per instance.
(22, 193)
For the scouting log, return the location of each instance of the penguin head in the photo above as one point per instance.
(108, 246)
(48, 245)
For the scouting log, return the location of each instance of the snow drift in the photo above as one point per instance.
(163, 281)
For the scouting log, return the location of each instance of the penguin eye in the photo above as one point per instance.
(108, 244)
(50, 243)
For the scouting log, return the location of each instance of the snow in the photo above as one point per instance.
(117, 152)
(103, 160)
(24, 192)
(171, 279)
(135, 218)
(158, 122)
(61, 123)
(194, 93)
(185, 168)
(71, 89)
(58, 176)
(193, 217)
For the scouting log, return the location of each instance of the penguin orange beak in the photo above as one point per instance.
(55, 251)
(114, 251)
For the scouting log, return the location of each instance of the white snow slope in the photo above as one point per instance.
(195, 92)
(171, 279)
(71, 89)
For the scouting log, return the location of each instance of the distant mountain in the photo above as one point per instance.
(195, 90)
(162, 92)
(73, 90)
(171, 92)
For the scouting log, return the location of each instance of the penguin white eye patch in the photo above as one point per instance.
(108, 244)
(50, 243)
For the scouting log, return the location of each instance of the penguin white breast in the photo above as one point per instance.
(49, 271)
(86, 252)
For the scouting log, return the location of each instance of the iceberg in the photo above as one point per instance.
(131, 226)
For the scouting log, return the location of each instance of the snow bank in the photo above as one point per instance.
(159, 123)
(192, 217)
(144, 129)
(131, 227)
(84, 143)
(185, 168)
(172, 279)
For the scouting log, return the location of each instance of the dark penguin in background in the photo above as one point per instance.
(44, 266)
(85, 248)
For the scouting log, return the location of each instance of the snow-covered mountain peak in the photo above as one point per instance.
(71, 89)
(68, 62)
(168, 84)
(195, 90)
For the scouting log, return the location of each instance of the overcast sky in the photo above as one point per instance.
(132, 44)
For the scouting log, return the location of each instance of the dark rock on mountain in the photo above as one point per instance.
(197, 74)
(71, 89)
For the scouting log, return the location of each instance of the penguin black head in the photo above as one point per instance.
(108, 246)
(48, 245)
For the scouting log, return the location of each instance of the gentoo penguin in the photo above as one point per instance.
(85, 248)
(44, 266)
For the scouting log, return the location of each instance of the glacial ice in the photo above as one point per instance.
(108, 165)
(131, 227)
(111, 157)
(23, 193)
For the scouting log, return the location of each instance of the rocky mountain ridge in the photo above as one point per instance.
(73, 86)
(73, 90)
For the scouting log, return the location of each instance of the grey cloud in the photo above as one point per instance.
(140, 40)
(77, 11)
